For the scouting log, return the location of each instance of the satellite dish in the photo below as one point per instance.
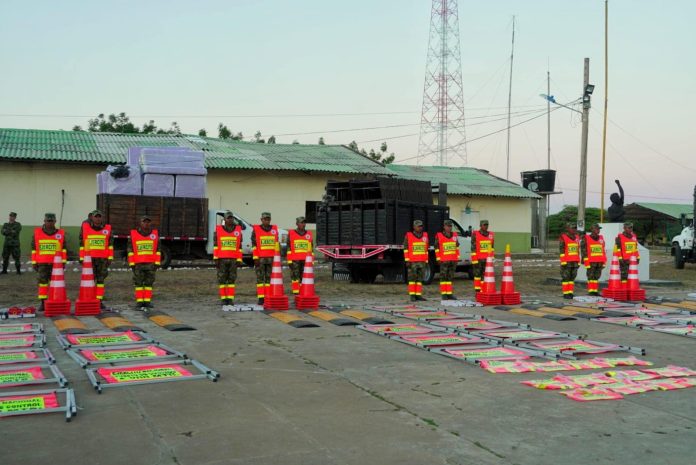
(532, 186)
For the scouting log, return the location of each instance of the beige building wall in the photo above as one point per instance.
(510, 215)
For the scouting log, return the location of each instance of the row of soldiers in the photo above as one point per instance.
(144, 253)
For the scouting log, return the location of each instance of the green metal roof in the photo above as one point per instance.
(674, 210)
(464, 181)
(104, 148)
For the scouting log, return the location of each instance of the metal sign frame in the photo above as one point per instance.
(74, 353)
(70, 407)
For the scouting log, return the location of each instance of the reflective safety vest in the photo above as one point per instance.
(266, 242)
(96, 242)
(300, 245)
(48, 246)
(629, 247)
(447, 250)
(571, 247)
(484, 246)
(417, 250)
(229, 243)
(594, 250)
(145, 248)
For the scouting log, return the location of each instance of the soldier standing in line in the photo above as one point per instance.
(569, 247)
(299, 246)
(97, 240)
(416, 257)
(11, 231)
(482, 247)
(447, 255)
(227, 253)
(627, 245)
(264, 245)
(144, 257)
(46, 243)
(592, 250)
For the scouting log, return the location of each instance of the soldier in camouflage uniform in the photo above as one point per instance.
(227, 254)
(11, 231)
(416, 257)
(482, 246)
(627, 245)
(45, 245)
(592, 251)
(264, 243)
(97, 240)
(144, 255)
(447, 255)
(299, 245)
(569, 248)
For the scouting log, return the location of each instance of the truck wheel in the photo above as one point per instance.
(678, 257)
(429, 273)
(166, 258)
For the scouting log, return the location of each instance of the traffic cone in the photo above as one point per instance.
(634, 290)
(275, 298)
(488, 294)
(307, 298)
(87, 303)
(507, 288)
(614, 289)
(57, 302)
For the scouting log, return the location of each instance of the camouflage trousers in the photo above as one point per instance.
(43, 278)
(226, 270)
(416, 272)
(144, 274)
(263, 270)
(447, 270)
(594, 271)
(296, 272)
(623, 266)
(568, 273)
(7, 251)
(479, 268)
(101, 269)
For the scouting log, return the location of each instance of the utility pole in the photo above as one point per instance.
(544, 202)
(512, 56)
(606, 100)
(582, 190)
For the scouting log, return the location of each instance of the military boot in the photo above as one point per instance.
(19, 271)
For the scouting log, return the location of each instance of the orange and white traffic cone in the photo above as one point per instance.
(489, 295)
(57, 302)
(634, 290)
(307, 298)
(614, 289)
(275, 298)
(87, 303)
(507, 288)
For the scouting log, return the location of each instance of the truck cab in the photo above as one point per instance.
(215, 217)
(683, 247)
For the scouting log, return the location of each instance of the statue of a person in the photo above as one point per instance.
(616, 210)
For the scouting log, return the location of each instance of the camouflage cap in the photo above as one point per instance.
(96, 212)
(50, 216)
(228, 214)
(628, 224)
(448, 223)
(482, 222)
(417, 223)
(13, 214)
(265, 215)
(145, 218)
(300, 219)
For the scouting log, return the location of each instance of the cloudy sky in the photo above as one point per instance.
(355, 70)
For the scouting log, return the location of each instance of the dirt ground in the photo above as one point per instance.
(196, 282)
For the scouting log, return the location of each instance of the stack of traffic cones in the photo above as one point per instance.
(307, 298)
(275, 298)
(634, 291)
(614, 289)
(87, 303)
(57, 302)
(507, 288)
(489, 295)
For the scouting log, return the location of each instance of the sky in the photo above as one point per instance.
(354, 70)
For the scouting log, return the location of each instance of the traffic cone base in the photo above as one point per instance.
(614, 289)
(87, 303)
(489, 294)
(635, 293)
(507, 287)
(57, 302)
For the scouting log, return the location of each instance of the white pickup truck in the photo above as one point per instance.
(215, 217)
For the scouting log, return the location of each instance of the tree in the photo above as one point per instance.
(77, 128)
(149, 127)
(379, 157)
(202, 132)
(224, 132)
(113, 123)
(557, 222)
(353, 146)
(258, 139)
(272, 140)
(295, 142)
(238, 136)
(321, 141)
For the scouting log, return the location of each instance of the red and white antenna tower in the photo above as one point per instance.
(442, 130)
